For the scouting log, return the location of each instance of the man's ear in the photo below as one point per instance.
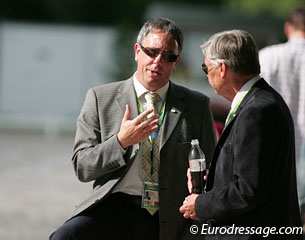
(223, 69)
(137, 49)
(287, 29)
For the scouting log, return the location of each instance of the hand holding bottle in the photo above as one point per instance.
(197, 166)
(189, 179)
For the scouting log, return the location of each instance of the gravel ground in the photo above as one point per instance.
(38, 187)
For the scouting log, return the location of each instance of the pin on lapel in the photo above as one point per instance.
(174, 110)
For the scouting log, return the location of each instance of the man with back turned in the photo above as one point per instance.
(283, 68)
(251, 185)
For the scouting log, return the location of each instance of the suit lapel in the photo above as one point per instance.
(126, 95)
(242, 104)
(173, 110)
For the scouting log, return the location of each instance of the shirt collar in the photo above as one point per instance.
(140, 89)
(244, 90)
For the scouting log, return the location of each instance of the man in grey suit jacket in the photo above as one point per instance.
(251, 187)
(111, 129)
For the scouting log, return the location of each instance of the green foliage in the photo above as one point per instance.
(115, 11)
(88, 12)
(125, 15)
(123, 53)
(278, 8)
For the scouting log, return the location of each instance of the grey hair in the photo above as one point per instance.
(164, 24)
(236, 48)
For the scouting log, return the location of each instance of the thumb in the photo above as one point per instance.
(189, 181)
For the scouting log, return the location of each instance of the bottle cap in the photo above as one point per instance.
(194, 141)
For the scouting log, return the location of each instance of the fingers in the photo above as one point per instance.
(126, 114)
(188, 211)
(144, 115)
(189, 181)
(136, 130)
(140, 118)
(206, 175)
(183, 209)
(188, 207)
(149, 125)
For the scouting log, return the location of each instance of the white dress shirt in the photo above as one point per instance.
(132, 183)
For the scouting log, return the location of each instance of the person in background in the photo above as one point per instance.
(251, 185)
(282, 65)
(132, 140)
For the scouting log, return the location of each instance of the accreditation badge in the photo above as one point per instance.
(150, 196)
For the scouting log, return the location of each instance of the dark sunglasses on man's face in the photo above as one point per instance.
(151, 52)
(204, 68)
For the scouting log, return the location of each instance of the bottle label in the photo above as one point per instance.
(197, 165)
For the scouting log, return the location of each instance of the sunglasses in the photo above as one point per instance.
(151, 52)
(205, 68)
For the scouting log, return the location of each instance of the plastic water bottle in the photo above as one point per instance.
(197, 166)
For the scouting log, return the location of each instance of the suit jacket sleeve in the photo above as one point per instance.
(94, 157)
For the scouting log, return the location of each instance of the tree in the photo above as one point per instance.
(277, 8)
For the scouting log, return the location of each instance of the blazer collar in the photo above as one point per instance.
(127, 95)
(260, 82)
(175, 106)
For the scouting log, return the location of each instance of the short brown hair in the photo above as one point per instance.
(297, 18)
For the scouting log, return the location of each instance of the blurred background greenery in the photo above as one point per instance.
(127, 12)
(127, 16)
